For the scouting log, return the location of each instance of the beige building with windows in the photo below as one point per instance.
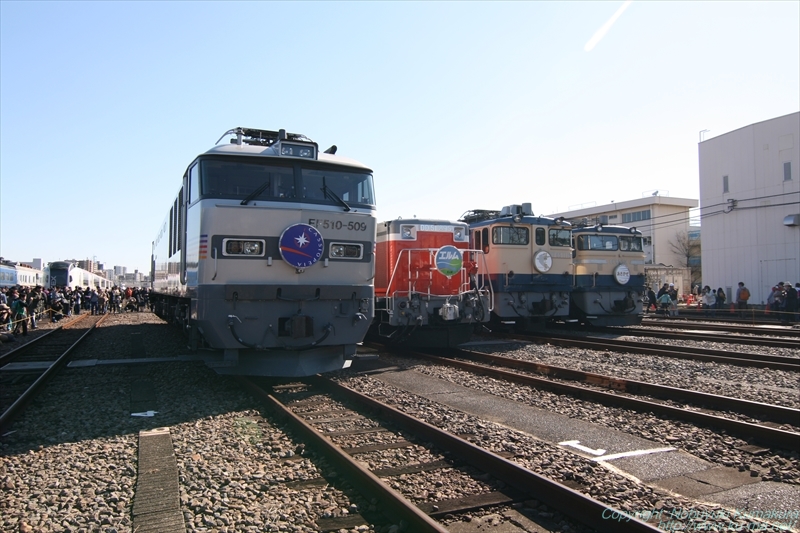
(663, 221)
(750, 206)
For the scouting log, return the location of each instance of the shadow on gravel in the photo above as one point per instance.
(96, 402)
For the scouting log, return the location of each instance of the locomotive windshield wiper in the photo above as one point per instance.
(257, 191)
(329, 194)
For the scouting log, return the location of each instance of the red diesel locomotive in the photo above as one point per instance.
(430, 287)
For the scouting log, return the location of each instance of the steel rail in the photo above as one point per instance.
(366, 481)
(17, 351)
(766, 435)
(577, 506)
(680, 352)
(775, 329)
(765, 411)
(10, 414)
(772, 342)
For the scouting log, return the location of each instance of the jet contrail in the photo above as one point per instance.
(599, 34)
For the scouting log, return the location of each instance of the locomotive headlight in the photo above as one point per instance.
(543, 261)
(251, 248)
(407, 232)
(299, 150)
(346, 251)
(459, 234)
(244, 247)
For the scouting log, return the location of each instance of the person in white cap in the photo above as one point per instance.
(673, 295)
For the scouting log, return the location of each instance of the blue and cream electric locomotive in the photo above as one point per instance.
(609, 280)
(529, 261)
(266, 256)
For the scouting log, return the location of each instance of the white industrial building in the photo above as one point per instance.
(750, 206)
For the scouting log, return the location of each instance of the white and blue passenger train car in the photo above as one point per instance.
(266, 257)
(609, 279)
(19, 275)
(529, 262)
(67, 274)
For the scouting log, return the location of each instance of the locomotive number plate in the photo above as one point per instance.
(321, 223)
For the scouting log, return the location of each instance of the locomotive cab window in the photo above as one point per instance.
(540, 236)
(560, 237)
(245, 180)
(331, 186)
(630, 244)
(597, 242)
(194, 184)
(509, 235)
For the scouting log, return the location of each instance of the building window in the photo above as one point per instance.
(787, 171)
(636, 216)
(724, 184)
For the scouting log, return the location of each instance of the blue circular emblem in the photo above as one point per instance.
(449, 260)
(301, 245)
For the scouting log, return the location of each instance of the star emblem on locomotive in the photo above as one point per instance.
(301, 241)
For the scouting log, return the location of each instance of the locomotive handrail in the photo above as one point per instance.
(182, 224)
(481, 277)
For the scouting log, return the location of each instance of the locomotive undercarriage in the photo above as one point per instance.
(447, 321)
(531, 305)
(251, 334)
(606, 308)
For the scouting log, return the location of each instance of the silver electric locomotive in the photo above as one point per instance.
(266, 257)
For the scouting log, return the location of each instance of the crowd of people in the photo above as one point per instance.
(665, 302)
(783, 299)
(23, 307)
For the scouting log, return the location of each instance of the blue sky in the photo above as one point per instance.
(455, 105)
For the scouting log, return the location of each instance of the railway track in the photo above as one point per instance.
(701, 335)
(224, 466)
(681, 352)
(625, 394)
(754, 337)
(24, 370)
(315, 412)
(763, 328)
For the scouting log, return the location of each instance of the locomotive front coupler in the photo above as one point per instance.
(232, 323)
